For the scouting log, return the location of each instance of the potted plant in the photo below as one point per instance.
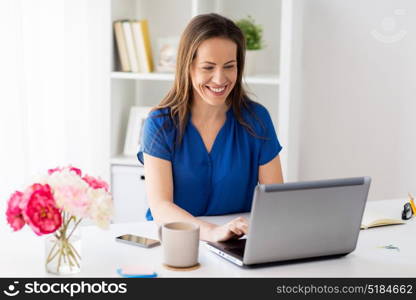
(253, 34)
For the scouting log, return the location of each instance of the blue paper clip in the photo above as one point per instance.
(390, 247)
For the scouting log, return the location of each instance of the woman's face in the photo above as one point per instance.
(214, 70)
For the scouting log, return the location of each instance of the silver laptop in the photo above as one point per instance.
(300, 220)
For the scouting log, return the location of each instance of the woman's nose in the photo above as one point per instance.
(219, 77)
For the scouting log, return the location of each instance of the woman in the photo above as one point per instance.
(206, 145)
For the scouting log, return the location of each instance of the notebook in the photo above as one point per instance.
(376, 218)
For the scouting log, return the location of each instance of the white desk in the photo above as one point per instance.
(22, 253)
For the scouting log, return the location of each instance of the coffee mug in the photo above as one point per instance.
(180, 243)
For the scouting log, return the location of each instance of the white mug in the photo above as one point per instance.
(180, 243)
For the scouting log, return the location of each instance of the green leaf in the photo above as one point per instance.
(253, 33)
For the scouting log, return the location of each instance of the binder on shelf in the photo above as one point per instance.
(146, 37)
(128, 36)
(121, 47)
(142, 45)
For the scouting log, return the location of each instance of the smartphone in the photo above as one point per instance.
(137, 240)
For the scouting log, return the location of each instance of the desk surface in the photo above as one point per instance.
(23, 253)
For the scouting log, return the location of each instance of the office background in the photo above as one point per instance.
(352, 90)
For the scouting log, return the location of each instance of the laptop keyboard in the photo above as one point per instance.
(235, 246)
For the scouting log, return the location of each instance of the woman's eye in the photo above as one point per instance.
(210, 68)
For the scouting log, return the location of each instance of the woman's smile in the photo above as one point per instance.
(217, 91)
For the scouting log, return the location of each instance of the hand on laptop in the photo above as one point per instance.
(236, 228)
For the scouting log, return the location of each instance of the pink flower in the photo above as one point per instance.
(14, 212)
(40, 211)
(64, 190)
(96, 183)
(73, 200)
(71, 168)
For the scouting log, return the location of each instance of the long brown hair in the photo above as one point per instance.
(178, 99)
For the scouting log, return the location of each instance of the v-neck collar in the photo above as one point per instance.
(218, 136)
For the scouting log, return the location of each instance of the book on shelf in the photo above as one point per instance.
(128, 36)
(142, 45)
(146, 38)
(374, 218)
(133, 45)
(121, 47)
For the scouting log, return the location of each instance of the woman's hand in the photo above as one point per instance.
(234, 229)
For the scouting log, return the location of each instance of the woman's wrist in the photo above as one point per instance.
(207, 232)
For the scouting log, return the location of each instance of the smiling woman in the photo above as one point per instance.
(213, 74)
(214, 70)
(207, 145)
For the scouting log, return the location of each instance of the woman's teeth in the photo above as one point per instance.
(218, 90)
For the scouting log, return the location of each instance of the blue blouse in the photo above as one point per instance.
(223, 180)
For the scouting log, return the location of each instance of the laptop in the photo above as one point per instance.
(300, 220)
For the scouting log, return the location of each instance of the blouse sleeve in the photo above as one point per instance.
(270, 147)
(153, 140)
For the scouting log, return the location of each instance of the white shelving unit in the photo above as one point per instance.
(142, 76)
(255, 79)
(271, 86)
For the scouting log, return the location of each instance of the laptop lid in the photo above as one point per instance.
(305, 219)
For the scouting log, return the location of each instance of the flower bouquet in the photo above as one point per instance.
(55, 206)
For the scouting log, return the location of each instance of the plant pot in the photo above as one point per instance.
(252, 59)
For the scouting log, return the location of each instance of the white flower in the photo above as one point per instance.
(70, 192)
(101, 208)
(75, 196)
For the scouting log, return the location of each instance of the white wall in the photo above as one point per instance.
(359, 93)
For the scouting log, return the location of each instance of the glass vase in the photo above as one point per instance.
(63, 251)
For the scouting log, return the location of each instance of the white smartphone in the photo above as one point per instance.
(137, 240)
